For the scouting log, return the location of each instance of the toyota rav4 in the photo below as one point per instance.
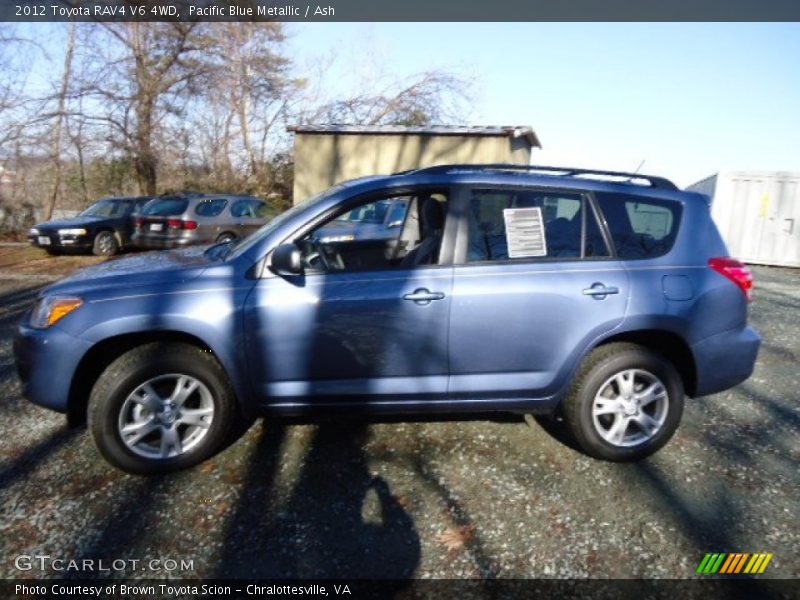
(603, 297)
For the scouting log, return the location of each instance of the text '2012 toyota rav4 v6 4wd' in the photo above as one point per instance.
(604, 296)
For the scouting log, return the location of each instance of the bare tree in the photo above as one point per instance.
(55, 150)
(76, 136)
(141, 77)
(247, 95)
(422, 99)
(14, 64)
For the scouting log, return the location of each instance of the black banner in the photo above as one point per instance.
(223, 589)
(405, 10)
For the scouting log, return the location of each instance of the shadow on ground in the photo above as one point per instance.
(339, 521)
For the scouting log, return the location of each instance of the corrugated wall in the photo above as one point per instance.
(758, 214)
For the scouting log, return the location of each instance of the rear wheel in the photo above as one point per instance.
(625, 403)
(105, 244)
(160, 408)
(225, 237)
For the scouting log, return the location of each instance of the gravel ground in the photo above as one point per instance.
(446, 499)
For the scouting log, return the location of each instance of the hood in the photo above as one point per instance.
(173, 266)
(77, 221)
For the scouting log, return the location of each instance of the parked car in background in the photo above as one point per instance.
(183, 220)
(506, 288)
(379, 220)
(104, 228)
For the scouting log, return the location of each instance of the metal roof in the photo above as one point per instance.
(513, 131)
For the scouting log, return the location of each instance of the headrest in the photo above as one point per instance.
(432, 214)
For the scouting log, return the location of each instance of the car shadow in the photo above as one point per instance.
(339, 520)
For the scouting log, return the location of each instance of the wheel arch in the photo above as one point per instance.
(104, 352)
(227, 233)
(668, 344)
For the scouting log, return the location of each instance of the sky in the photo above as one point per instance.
(687, 99)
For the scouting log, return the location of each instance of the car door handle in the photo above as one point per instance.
(600, 291)
(423, 296)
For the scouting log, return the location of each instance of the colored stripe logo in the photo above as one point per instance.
(734, 563)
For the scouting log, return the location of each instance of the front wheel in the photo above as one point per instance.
(625, 403)
(161, 407)
(105, 244)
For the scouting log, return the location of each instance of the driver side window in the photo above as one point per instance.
(393, 231)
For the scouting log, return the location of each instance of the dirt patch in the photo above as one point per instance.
(24, 259)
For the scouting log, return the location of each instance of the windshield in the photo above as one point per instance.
(369, 213)
(243, 245)
(108, 208)
(165, 207)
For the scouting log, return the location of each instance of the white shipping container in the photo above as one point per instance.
(758, 214)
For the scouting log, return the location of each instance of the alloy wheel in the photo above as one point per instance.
(166, 416)
(630, 407)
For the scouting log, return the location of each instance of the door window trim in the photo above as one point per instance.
(461, 246)
(445, 247)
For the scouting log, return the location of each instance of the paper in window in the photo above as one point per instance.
(525, 232)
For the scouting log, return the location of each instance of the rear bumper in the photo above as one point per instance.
(725, 360)
(153, 242)
(46, 361)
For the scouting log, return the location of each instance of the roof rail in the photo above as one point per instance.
(654, 182)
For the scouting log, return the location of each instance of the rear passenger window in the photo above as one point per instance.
(210, 208)
(262, 209)
(640, 227)
(528, 224)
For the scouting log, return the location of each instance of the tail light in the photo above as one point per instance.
(734, 270)
(138, 222)
(179, 224)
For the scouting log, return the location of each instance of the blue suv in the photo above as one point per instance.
(603, 297)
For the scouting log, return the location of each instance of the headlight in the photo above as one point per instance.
(52, 309)
(71, 232)
(33, 231)
(336, 238)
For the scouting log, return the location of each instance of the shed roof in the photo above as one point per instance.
(513, 131)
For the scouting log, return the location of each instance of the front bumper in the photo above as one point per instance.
(56, 241)
(46, 361)
(725, 360)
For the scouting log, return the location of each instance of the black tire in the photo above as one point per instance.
(134, 368)
(595, 373)
(225, 237)
(105, 244)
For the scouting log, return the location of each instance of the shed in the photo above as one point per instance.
(327, 154)
(758, 214)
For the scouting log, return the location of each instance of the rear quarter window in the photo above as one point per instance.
(640, 227)
(165, 207)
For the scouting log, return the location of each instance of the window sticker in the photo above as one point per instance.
(525, 232)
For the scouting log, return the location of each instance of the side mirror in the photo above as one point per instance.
(286, 260)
